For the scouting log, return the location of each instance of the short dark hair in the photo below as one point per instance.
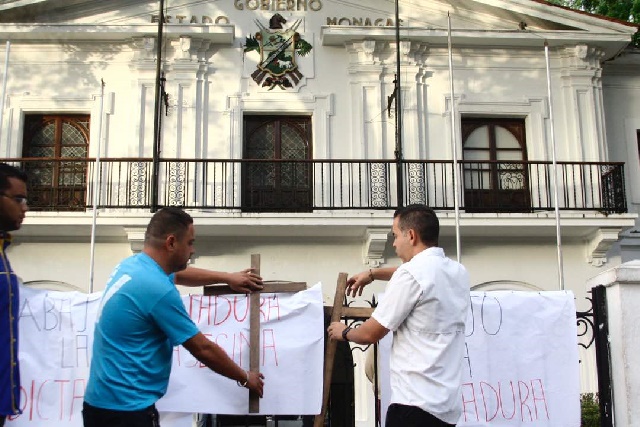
(7, 171)
(422, 219)
(169, 220)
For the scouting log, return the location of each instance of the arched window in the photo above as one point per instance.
(277, 186)
(496, 176)
(57, 182)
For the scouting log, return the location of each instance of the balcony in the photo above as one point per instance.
(288, 186)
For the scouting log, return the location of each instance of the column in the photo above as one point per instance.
(581, 79)
(623, 299)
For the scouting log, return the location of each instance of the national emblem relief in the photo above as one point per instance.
(278, 47)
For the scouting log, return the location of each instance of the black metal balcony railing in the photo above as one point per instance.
(305, 186)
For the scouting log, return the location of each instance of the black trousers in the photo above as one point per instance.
(98, 417)
(2, 418)
(411, 416)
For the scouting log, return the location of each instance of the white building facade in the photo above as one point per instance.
(282, 141)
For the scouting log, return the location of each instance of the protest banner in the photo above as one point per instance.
(56, 337)
(521, 365)
(521, 361)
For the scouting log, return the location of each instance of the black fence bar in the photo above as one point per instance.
(308, 185)
(603, 355)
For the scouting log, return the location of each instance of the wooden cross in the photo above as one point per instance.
(337, 313)
(254, 317)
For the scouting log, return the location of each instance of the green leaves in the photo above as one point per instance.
(625, 10)
(251, 43)
(302, 47)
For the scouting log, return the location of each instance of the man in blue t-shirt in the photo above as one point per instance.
(142, 317)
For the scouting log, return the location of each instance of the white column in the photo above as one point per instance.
(581, 74)
(623, 300)
(367, 104)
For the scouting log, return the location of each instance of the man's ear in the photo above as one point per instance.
(170, 242)
(413, 236)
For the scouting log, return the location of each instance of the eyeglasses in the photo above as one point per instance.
(18, 199)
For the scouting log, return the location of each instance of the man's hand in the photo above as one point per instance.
(255, 382)
(356, 284)
(335, 330)
(245, 281)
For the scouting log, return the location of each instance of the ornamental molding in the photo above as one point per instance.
(135, 236)
(599, 243)
(375, 242)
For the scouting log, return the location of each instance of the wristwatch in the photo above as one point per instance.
(345, 332)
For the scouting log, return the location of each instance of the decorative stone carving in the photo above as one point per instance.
(363, 52)
(600, 243)
(148, 44)
(581, 51)
(185, 48)
(374, 246)
(405, 51)
(144, 48)
(583, 57)
(135, 235)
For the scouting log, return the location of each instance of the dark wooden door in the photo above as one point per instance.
(279, 177)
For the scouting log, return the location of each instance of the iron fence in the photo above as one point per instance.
(309, 185)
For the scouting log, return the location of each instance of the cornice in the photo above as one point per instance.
(218, 34)
(609, 43)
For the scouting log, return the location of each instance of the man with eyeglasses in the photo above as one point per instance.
(13, 207)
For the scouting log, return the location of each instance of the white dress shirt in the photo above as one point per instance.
(425, 305)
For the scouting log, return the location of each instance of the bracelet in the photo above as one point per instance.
(371, 275)
(345, 332)
(243, 383)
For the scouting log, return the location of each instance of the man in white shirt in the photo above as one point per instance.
(425, 305)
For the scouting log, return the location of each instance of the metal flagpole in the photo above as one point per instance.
(96, 189)
(398, 98)
(454, 144)
(4, 87)
(157, 130)
(555, 170)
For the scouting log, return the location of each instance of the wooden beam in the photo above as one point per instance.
(254, 335)
(269, 287)
(351, 312)
(330, 352)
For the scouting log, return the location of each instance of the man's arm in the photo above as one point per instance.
(216, 359)
(369, 332)
(356, 283)
(244, 281)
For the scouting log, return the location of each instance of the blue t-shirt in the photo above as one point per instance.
(141, 318)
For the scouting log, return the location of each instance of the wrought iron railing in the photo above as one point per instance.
(305, 186)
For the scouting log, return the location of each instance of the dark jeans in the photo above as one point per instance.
(411, 416)
(98, 417)
(2, 418)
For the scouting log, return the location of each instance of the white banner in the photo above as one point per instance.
(521, 361)
(56, 337)
(521, 366)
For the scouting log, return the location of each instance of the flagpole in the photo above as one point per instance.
(398, 98)
(96, 189)
(555, 170)
(454, 144)
(156, 115)
(4, 88)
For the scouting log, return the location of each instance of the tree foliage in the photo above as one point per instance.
(625, 10)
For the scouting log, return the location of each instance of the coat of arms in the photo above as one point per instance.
(278, 48)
